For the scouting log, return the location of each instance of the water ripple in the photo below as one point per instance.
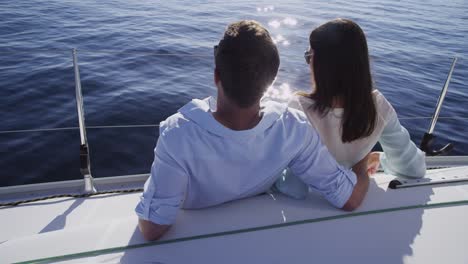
(140, 61)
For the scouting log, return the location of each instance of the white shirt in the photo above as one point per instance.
(329, 128)
(400, 157)
(199, 162)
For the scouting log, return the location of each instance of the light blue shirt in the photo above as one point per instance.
(199, 162)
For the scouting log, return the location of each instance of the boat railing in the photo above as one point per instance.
(85, 168)
(85, 163)
(46, 129)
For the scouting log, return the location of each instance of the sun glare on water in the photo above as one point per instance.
(281, 93)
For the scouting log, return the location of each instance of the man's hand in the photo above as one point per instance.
(360, 189)
(373, 162)
(150, 230)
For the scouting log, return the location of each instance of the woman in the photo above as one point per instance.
(349, 114)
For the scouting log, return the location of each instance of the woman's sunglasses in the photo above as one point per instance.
(307, 55)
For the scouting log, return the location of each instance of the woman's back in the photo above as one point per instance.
(400, 157)
(338, 59)
(329, 127)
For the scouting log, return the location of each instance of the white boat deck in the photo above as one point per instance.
(412, 225)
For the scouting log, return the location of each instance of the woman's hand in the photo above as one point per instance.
(373, 162)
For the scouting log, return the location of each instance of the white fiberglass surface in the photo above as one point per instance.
(58, 227)
(417, 236)
(62, 214)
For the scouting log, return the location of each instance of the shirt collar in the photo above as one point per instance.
(200, 112)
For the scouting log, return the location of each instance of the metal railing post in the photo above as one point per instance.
(442, 97)
(428, 138)
(85, 164)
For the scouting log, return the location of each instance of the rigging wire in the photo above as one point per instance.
(143, 52)
(429, 117)
(90, 52)
(81, 195)
(75, 128)
(157, 125)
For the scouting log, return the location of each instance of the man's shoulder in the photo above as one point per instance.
(175, 125)
(286, 112)
(293, 120)
(178, 126)
(187, 118)
(295, 116)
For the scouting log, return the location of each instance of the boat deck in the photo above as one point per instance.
(412, 225)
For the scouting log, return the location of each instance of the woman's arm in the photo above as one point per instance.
(401, 156)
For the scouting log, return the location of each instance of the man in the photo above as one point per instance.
(214, 151)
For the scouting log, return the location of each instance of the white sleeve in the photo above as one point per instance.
(165, 189)
(401, 156)
(317, 168)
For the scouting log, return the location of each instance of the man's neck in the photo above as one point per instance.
(236, 118)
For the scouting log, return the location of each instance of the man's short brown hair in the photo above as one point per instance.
(246, 61)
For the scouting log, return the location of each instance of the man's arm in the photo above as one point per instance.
(163, 193)
(152, 231)
(361, 187)
(318, 169)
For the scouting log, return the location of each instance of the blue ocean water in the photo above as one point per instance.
(142, 60)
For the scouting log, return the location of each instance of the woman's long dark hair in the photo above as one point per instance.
(341, 71)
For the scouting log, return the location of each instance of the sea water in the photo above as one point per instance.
(142, 60)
